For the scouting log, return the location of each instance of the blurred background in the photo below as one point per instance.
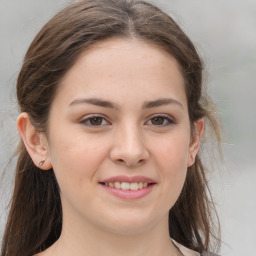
(224, 33)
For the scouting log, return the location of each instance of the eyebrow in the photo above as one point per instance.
(94, 101)
(107, 104)
(161, 102)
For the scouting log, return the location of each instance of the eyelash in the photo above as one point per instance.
(166, 120)
(88, 121)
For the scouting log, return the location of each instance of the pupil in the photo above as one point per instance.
(157, 120)
(96, 120)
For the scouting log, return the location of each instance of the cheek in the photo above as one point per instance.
(75, 159)
(171, 160)
(172, 153)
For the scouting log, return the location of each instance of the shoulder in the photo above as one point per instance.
(188, 252)
(209, 254)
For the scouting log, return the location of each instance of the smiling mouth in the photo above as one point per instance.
(127, 185)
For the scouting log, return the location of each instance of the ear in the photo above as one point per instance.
(34, 141)
(196, 137)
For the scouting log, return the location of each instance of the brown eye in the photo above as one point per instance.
(158, 120)
(95, 121)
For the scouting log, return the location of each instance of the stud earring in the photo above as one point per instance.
(42, 162)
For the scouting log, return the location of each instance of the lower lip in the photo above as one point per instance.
(129, 194)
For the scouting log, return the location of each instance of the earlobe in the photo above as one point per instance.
(195, 141)
(34, 141)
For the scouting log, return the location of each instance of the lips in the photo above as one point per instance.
(126, 187)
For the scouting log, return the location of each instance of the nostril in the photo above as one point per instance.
(130, 162)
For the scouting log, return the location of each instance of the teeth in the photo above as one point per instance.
(117, 185)
(134, 186)
(127, 185)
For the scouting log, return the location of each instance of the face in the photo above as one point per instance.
(119, 136)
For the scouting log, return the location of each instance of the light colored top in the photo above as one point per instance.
(185, 251)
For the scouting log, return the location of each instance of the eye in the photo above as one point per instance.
(95, 121)
(160, 120)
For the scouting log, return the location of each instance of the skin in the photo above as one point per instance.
(131, 137)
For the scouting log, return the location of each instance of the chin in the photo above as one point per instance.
(132, 223)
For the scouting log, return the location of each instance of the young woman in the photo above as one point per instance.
(112, 117)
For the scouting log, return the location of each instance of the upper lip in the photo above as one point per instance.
(129, 179)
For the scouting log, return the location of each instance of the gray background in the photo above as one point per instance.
(225, 35)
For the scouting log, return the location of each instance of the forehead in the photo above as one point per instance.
(125, 51)
(125, 67)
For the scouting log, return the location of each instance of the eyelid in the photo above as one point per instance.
(90, 116)
(170, 120)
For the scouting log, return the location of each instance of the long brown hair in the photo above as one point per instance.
(35, 218)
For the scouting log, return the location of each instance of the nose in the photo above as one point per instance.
(129, 148)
